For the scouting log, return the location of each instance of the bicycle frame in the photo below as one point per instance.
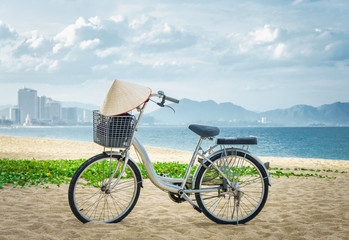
(168, 184)
(163, 182)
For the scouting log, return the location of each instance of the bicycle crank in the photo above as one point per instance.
(176, 197)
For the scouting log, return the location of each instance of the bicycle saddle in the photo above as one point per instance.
(204, 131)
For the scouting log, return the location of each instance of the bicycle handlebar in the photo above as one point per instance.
(171, 99)
(162, 95)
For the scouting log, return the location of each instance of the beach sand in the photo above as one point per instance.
(297, 207)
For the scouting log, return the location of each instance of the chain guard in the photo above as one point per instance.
(176, 197)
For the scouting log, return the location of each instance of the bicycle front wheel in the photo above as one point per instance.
(240, 199)
(93, 194)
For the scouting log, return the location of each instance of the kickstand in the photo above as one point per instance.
(237, 214)
(237, 199)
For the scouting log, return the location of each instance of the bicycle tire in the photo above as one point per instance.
(89, 196)
(225, 205)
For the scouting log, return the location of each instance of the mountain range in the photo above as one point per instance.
(229, 114)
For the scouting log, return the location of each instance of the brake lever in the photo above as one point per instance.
(170, 108)
(161, 104)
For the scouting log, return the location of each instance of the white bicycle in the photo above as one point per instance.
(230, 185)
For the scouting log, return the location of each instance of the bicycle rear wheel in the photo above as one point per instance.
(225, 204)
(92, 196)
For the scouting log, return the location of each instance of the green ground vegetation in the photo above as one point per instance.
(27, 173)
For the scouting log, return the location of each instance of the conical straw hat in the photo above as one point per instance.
(124, 97)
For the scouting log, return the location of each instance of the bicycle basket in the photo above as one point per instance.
(113, 131)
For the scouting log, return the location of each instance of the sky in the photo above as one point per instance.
(260, 55)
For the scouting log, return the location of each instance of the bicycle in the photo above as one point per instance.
(230, 185)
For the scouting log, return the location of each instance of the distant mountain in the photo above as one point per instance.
(329, 114)
(188, 111)
(210, 112)
(337, 112)
(4, 111)
(296, 115)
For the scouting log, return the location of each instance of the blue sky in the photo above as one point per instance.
(260, 55)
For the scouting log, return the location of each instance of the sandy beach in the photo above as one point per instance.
(297, 207)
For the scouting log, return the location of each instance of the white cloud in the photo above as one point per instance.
(138, 22)
(35, 41)
(96, 21)
(107, 52)
(89, 44)
(117, 18)
(279, 50)
(57, 47)
(68, 36)
(6, 32)
(265, 35)
(53, 65)
(167, 28)
(48, 64)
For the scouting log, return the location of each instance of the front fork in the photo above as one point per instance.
(124, 157)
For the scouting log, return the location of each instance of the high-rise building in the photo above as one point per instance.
(15, 115)
(53, 110)
(27, 103)
(41, 107)
(70, 115)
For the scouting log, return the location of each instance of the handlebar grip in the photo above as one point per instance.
(172, 99)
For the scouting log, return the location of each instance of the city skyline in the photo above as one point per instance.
(32, 109)
(261, 55)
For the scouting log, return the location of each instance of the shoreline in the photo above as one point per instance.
(14, 147)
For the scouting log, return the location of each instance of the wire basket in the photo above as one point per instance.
(113, 131)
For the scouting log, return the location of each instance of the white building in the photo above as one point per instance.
(70, 115)
(53, 111)
(15, 114)
(27, 103)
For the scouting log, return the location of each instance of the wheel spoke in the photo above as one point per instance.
(246, 183)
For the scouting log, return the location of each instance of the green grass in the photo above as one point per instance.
(33, 172)
(303, 172)
(27, 173)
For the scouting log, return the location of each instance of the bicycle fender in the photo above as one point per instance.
(263, 165)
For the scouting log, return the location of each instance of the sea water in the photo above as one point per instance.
(302, 142)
